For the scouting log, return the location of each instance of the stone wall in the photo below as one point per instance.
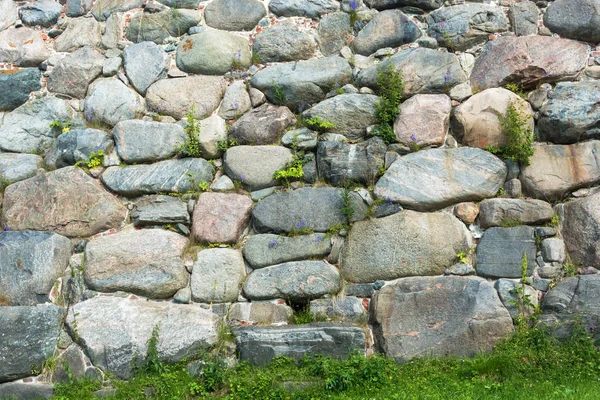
(140, 144)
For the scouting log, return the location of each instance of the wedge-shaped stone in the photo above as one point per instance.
(390, 28)
(299, 8)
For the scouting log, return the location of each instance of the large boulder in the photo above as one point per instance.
(176, 97)
(297, 85)
(146, 27)
(572, 113)
(527, 61)
(423, 120)
(30, 263)
(146, 141)
(254, 166)
(284, 42)
(499, 212)
(476, 122)
(145, 63)
(171, 176)
(217, 276)
(262, 125)
(73, 74)
(8, 13)
(296, 281)
(114, 332)
(301, 8)
(234, 15)
(43, 13)
(145, 262)
(221, 217)
(15, 167)
(423, 70)
(577, 20)
(66, 201)
(407, 243)
(29, 337)
(316, 209)
(581, 230)
(333, 31)
(259, 345)
(556, 170)
(213, 52)
(390, 28)
(78, 145)
(16, 85)
(80, 32)
(269, 249)
(437, 316)
(110, 101)
(104, 8)
(500, 252)
(436, 178)
(20, 390)
(23, 47)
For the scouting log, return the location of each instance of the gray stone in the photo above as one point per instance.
(23, 47)
(27, 129)
(78, 145)
(423, 120)
(299, 8)
(318, 209)
(145, 63)
(145, 27)
(192, 4)
(160, 210)
(499, 212)
(350, 113)
(423, 4)
(302, 139)
(8, 13)
(41, 12)
(500, 252)
(221, 217)
(176, 97)
(463, 26)
(580, 230)
(268, 249)
(114, 332)
(553, 250)
(340, 163)
(284, 42)
(213, 52)
(437, 316)
(17, 167)
(571, 114)
(333, 31)
(556, 170)
(421, 71)
(236, 101)
(257, 98)
(16, 85)
(183, 296)
(144, 262)
(262, 125)
(436, 178)
(259, 345)
(390, 28)
(296, 281)
(344, 309)
(30, 263)
(223, 184)
(69, 365)
(112, 66)
(26, 391)
(113, 31)
(234, 15)
(254, 166)
(29, 336)
(80, 32)
(460, 269)
(507, 291)
(575, 20)
(260, 312)
(217, 275)
(77, 8)
(73, 74)
(110, 101)
(523, 18)
(145, 141)
(407, 243)
(212, 130)
(104, 8)
(300, 84)
(177, 176)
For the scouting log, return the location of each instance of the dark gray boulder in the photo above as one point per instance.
(77, 8)
(78, 145)
(581, 230)
(333, 32)
(390, 28)
(284, 42)
(303, 8)
(40, 13)
(269, 249)
(160, 210)
(147, 141)
(262, 125)
(25, 391)
(579, 20)
(500, 252)
(523, 18)
(16, 85)
(234, 15)
(387, 4)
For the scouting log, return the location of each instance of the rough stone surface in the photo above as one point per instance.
(260, 312)
(104, 8)
(496, 212)
(307, 208)
(423, 4)
(527, 61)
(221, 217)
(16, 85)
(432, 179)
(29, 336)
(73, 74)
(145, 63)
(553, 250)
(269, 249)
(234, 15)
(333, 32)
(344, 309)
(284, 42)
(77, 145)
(145, 27)
(423, 120)
(22, 46)
(236, 101)
(160, 210)
(580, 230)
(77, 8)
(175, 97)
(145, 141)
(437, 316)
(24, 391)
(507, 291)
(407, 243)
(110, 101)
(299, 8)
(296, 281)
(171, 176)
(192, 4)
(340, 163)
(80, 32)
(144, 262)
(115, 331)
(259, 345)
(213, 129)
(217, 276)
(575, 20)
(390, 28)
(254, 166)
(43, 13)
(17, 167)
(66, 201)
(262, 125)
(500, 252)
(30, 262)
(8, 13)
(523, 17)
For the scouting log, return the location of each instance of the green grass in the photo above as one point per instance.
(531, 365)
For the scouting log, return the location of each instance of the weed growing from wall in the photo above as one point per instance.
(391, 86)
(191, 148)
(520, 137)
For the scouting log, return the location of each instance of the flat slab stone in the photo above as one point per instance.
(436, 178)
(114, 331)
(25, 391)
(299, 8)
(16, 85)
(496, 212)
(221, 217)
(580, 230)
(66, 201)
(176, 176)
(217, 275)
(259, 345)
(260, 312)
(160, 210)
(16, 167)
(344, 309)
(157, 27)
(438, 316)
(500, 252)
(147, 141)
(234, 15)
(30, 263)
(268, 249)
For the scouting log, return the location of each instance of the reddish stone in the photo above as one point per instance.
(221, 217)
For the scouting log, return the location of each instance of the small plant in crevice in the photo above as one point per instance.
(520, 138)
(570, 269)
(302, 315)
(278, 94)
(152, 363)
(461, 256)
(300, 228)
(516, 89)
(64, 127)
(523, 302)
(448, 39)
(94, 160)
(554, 221)
(390, 88)
(347, 209)
(318, 124)
(292, 170)
(191, 147)
(226, 143)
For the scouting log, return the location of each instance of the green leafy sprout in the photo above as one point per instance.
(391, 87)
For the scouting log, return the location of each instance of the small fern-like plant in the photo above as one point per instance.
(520, 138)
(391, 86)
(318, 124)
(191, 148)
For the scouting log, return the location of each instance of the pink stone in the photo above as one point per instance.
(221, 217)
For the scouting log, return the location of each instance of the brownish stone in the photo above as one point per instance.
(467, 212)
(221, 217)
